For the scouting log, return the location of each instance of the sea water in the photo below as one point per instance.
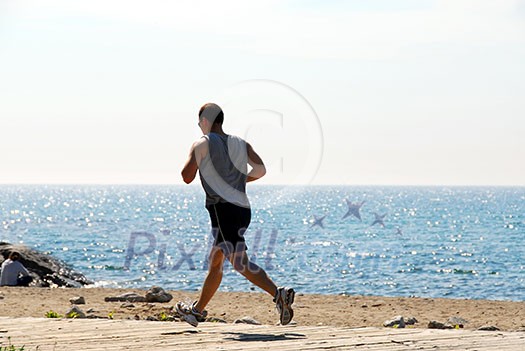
(458, 242)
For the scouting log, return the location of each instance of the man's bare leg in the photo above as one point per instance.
(251, 271)
(213, 279)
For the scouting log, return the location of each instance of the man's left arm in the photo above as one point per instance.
(257, 164)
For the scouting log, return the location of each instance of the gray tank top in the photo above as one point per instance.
(224, 170)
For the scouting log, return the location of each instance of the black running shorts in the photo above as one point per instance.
(229, 222)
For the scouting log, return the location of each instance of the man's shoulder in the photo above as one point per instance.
(237, 139)
(200, 143)
(202, 140)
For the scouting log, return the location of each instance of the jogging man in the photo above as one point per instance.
(222, 161)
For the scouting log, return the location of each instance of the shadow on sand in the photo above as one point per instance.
(264, 337)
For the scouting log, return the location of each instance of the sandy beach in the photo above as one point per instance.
(310, 310)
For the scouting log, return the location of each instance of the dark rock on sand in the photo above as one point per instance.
(126, 297)
(157, 294)
(94, 316)
(439, 325)
(79, 300)
(75, 312)
(457, 321)
(411, 321)
(247, 320)
(45, 270)
(215, 320)
(488, 328)
(396, 322)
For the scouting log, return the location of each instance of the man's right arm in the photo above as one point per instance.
(257, 164)
(198, 151)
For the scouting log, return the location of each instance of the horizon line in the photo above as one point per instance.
(273, 184)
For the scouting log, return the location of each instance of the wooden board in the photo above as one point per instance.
(96, 334)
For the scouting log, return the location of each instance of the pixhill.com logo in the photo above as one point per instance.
(155, 248)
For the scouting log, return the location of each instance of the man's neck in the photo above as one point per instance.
(217, 129)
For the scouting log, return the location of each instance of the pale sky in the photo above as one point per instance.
(420, 92)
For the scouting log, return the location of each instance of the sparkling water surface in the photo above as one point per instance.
(460, 242)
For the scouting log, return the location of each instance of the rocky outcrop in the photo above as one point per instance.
(45, 270)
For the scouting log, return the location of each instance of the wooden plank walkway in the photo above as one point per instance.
(89, 334)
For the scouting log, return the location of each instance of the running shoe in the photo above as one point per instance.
(201, 316)
(283, 302)
(189, 314)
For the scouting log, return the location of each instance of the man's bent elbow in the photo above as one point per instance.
(263, 171)
(260, 172)
(186, 178)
